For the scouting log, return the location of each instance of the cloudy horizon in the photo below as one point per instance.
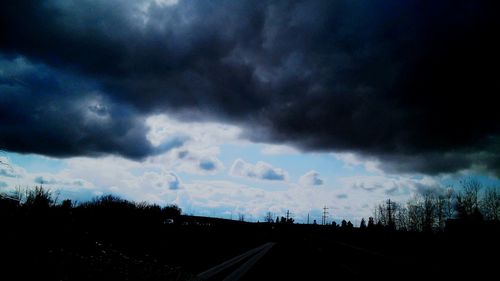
(227, 107)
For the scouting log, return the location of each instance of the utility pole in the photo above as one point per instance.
(325, 215)
(287, 215)
(390, 213)
(307, 218)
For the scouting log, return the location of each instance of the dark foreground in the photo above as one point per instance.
(323, 254)
(92, 244)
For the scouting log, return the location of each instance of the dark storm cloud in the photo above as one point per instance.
(411, 83)
(48, 112)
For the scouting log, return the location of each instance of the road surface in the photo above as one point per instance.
(233, 269)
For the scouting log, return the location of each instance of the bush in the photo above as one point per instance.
(39, 198)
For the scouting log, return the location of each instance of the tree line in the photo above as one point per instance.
(430, 210)
(41, 201)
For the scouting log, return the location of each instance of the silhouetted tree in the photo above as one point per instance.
(7, 203)
(66, 204)
(477, 215)
(343, 224)
(18, 194)
(401, 218)
(491, 204)
(171, 211)
(468, 200)
(269, 217)
(284, 220)
(38, 198)
(415, 214)
(371, 222)
(385, 214)
(109, 201)
(444, 208)
(288, 219)
(429, 211)
(362, 225)
(350, 225)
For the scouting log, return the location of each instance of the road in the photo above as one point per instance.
(306, 260)
(315, 260)
(320, 256)
(233, 269)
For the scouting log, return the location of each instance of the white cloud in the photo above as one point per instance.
(342, 196)
(204, 134)
(189, 159)
(261, 170)
(274, 149)
(14, 176)
(389, 186)
(203, 161)
(9, 170)
(160, 182)
(351, 160)
(129, 179)
(310, 178)
(166, 2)
(172, 180)
(199, 151)
(348, 197)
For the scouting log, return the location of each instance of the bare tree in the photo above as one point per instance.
(402, 220)
(429, 210)
(385, 214)
(18, 193)
(415, 214)
(444, 208)
(379, 214)
(362, 225)
(468, 199)
(490, 204)
(371, 222)
(269, 217)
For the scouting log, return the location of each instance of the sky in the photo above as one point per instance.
(245, 107)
